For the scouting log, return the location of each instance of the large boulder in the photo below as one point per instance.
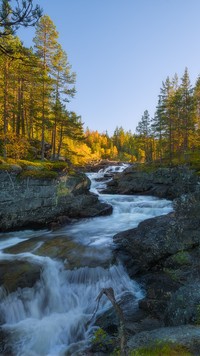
(167, 183)
(144, 247)
(163, 254)
(72, 253)
(18, 274)
(186, 336)
(156, 239)
(179, 311)
(37, 202)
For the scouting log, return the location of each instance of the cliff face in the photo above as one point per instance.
(33, 202)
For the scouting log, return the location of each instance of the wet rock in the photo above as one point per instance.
(60, 221)
(108, 321)
(167, 183)
(159, 287)
(34, 203)
(72, 253)
(145, 246)
(163, 254)
(187, 335)
(184, 305)
(88, 205)
(155, 240)
(96, 166)
(5, 349)
(18, 274)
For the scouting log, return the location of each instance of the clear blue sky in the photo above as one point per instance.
(121, 51)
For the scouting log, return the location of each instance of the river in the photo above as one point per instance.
(54, 316)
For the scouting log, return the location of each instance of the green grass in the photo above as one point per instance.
(182, 258)
(33, 169)
(28, 164)
(55, 166)
(39, 174)
(161, 349)
(10, 167)
(190, 159)
(174, 274)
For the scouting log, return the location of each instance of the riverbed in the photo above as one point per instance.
(55, 316)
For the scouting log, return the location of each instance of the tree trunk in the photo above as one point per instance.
(5, 107)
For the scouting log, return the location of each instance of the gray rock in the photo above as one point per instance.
(184, 306)
(72, 253)
(31, 202)
(163, 253)
(18, 274)
(154, 240)
(167, 183)
(143, 247)
(187, 335)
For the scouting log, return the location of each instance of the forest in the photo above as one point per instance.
(36, 85)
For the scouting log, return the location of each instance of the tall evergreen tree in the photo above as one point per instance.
(63, 89)
(45, 41)
(8, 84)
(165, 120)
(158, 129)
(144, 131)
(197, 101)
(197, 113)
(187, 113)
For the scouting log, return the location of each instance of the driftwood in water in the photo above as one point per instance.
(122, 333)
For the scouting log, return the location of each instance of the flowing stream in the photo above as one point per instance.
(55, 316)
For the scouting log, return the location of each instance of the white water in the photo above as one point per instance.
(54, 317)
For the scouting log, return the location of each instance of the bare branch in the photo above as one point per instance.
(109, 292)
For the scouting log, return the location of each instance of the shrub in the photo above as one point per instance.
(16, 146)
(39, 174)
(162, 349)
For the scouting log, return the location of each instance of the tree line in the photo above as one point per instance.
(172, 135)
(37, 83)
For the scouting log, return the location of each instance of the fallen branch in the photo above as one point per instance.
(122, 333)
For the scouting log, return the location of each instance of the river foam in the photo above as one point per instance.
(55, 316)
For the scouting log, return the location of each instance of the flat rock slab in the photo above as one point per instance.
(185, 335)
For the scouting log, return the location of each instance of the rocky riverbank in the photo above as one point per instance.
(163, 255)
(30, 202)
(169, 183)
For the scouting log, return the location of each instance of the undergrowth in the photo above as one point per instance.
(34, 169)
(161, 349)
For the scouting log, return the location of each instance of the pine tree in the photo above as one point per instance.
(158, 130)
(8, 87)
(165, 121)
(12, 16)
(70, 128)
(187, 113)
(196, 138)
(144, 131)
(19, 13)
(45, 41)
(63, 89)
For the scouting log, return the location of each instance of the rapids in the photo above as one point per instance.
(54, 316)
